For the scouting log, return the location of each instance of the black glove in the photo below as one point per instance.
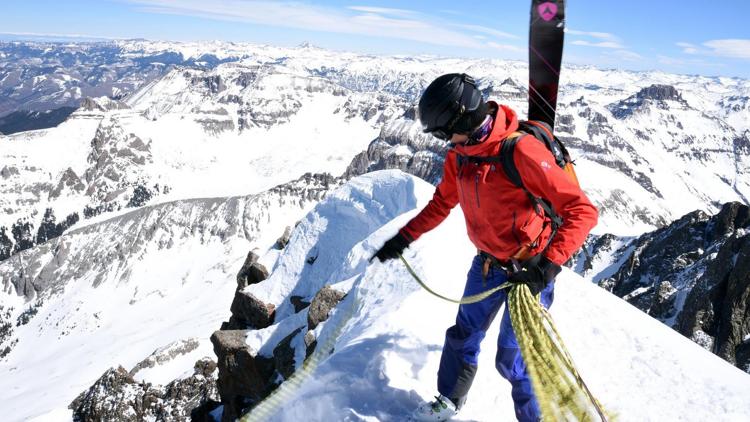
(392, 248)
(536, 273)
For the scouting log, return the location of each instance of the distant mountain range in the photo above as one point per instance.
(180, 158)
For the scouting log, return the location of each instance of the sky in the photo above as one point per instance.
(688, 36)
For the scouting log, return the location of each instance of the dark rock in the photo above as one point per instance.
(660, 92)
(252, 271)
(102, 104)
(325, 300)
(129, 400)
(141, 196)
(425, 160)
(202, 413)
(252, 311)
(284, 239)
(709, 256)
(283, 355)
(654, 94)
(655, 255)
(719, 304)
(662, 307)
(116, 396)
(243, 375)
(69, 180)
(310, 343)
(298, 303)
(205, 367)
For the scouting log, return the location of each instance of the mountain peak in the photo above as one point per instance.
(660, 93)
(653, 94)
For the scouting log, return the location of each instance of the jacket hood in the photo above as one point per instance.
(506, 122)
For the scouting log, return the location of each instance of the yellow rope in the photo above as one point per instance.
(464, 300)
(559, 389)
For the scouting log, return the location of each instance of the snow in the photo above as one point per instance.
(175, 368)
(385, 361)
(173, 277)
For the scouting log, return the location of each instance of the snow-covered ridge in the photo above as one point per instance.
(384, 362)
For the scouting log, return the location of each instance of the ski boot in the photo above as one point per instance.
(442, 409)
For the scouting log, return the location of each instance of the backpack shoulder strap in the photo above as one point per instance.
(511, 171)
(506, 157)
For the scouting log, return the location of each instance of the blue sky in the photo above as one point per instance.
(688, 36)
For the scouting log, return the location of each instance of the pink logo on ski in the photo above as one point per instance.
(547, 10)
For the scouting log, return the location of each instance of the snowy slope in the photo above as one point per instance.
(385, 361)
(112, 292)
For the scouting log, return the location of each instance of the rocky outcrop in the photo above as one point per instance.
(282, 241)
(694, 275)
(402, 145)
(298, 302)
(245, 375)
(68, 181)
(102, 104)
(252, 271)
(719, 305)
(117, 396)
(243, 378)
(166, 354)
(656, 94)
(326, 299)
(251, 312)
(115, 163)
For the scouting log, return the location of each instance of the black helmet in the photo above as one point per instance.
(451, 104)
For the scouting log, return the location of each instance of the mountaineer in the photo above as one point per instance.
(524, 213)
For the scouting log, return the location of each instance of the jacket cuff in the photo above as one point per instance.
(408, 237)
(549, 268)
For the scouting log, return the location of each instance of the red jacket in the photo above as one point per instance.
(500, 218)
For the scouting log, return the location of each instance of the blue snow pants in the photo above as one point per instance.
(458, 363)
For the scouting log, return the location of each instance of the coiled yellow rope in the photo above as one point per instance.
(560, 391)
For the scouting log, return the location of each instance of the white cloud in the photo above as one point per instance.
(486, 30)
(599, 35)
(383, 10)
(673, 61)
(55, 35)
(505, 47)
(358, 20)
(624, 55)
(596, 39)
(689, 48)
(735, 48)
(603, 44)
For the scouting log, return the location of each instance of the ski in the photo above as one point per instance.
(546, 35)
